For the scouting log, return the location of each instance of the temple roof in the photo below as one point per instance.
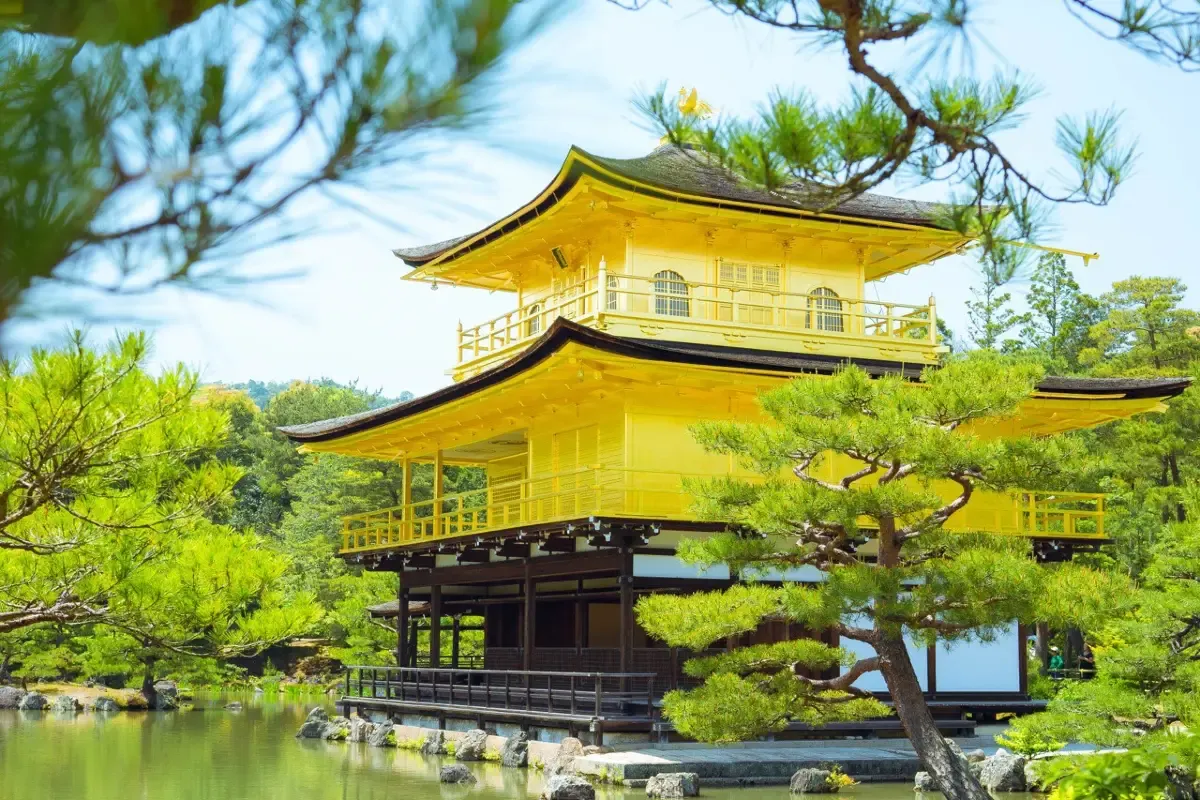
(564, 332)
(687, 176)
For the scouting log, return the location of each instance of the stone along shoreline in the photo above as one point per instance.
(807, 767)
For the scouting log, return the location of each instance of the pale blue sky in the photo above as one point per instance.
(351, 317)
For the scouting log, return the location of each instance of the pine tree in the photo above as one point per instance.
(990, 315)
(1060, 315)
(145, 143)
(858, 477)
(108, 484)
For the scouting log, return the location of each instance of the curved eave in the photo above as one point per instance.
(564, 332)
(579, 164)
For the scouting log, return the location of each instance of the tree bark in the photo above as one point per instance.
(951, 772)
(148, 690)
(1042, 648)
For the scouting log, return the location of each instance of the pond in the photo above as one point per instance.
(214, 754)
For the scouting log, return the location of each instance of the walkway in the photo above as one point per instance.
(763, 763)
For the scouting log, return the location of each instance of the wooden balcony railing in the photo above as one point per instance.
(682, 306)
(602, 491)
(585, 695)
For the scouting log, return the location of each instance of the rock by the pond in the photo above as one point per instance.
(596, 750)
(378, 737)
(435, 743)
(166, 696)
(455, 773)
(338, 728)
(515, 752)
(11, 697)
(925, 783)
(65, 704)
(34, 701)
(811, 781)
(1004, 772)
(472, 746)
(561, 762)
(976, 755)
(234, 706)
(673, 784)
(360, 729)
(568, 787)
(105, 705)
(314, 724)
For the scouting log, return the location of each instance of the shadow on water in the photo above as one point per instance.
(216, 754)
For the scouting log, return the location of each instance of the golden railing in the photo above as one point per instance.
(601, 491)
(1074, 515)
(674, 303)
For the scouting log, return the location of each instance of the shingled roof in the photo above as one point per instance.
(687, 175)
(564, 332)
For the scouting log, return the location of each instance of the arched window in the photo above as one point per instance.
(610, 301)
(671, 294)
(827, 311)
(533, 321)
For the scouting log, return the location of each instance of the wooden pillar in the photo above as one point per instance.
(625, 582)
(438, 492)
(414, 641)
(402, 657)
(529, 634)
(580, 620)
(454, 635)
(435, 625)
(406, 514)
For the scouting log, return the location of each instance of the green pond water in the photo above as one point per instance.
(214, 754)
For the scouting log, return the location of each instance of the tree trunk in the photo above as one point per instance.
(148, 690)
(1176, 480)
(951, 772)
(1042, 648)
(1073, 647)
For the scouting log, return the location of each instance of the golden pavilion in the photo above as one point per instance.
(649, 294)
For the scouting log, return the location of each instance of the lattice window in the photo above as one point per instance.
(753, 286)
(506, 487)
(766, 277)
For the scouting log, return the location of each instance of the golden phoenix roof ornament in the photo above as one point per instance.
(690, 103)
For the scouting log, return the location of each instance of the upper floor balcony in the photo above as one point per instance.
(745, 311)
(600, 492)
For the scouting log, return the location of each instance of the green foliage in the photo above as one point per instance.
(989, 314)
(1029, 742)
(732, 708)
(172, 118)
(1145, 329)
(934, 127)
(1167, 768)
(899, 447)
(1060, 315)
(110, 487)
(839, 780)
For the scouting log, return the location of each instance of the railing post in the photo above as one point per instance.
(438, 485)
(597, 677)
(459, 349)
(601, 290)
(932, 321)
